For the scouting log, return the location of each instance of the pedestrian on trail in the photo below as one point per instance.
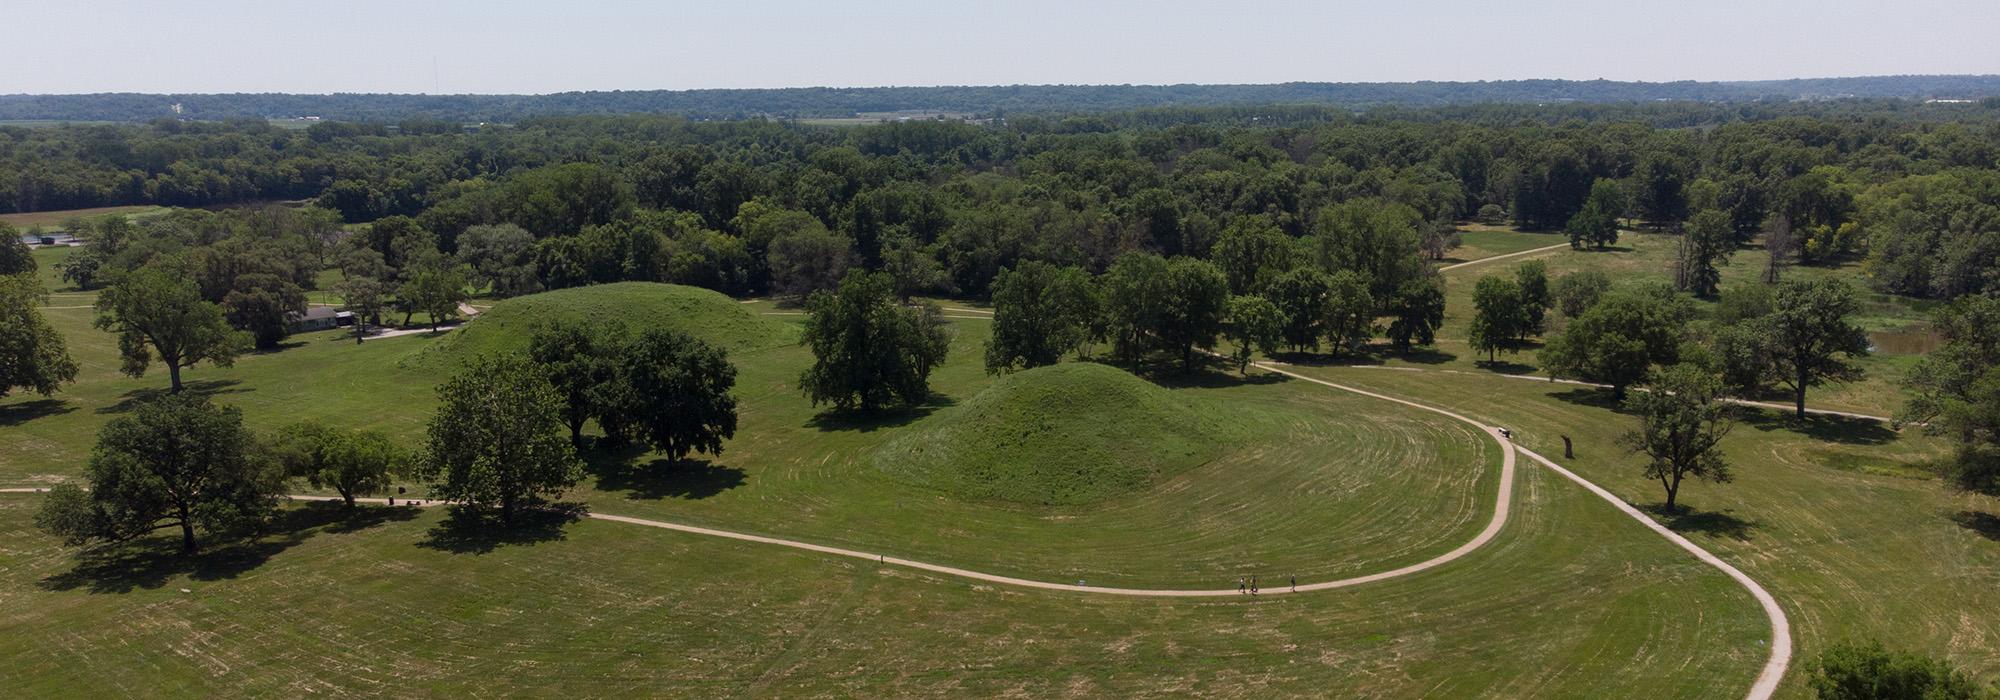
(1295, 583)
(1253, 585)
(1239, 585)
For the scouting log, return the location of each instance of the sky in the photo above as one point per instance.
(498, 46)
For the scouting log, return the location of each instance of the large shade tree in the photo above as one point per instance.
(497, 438)
(868, 350)
(157, 312)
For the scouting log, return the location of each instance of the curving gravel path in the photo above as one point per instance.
(1515, 254)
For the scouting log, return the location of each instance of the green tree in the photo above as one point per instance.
(1349, 311)
(1573, 293)
(1869, 671)
(1956, 390)
(1300, 296)
(496, 439)
(1532, 277)
(1620, 338)
(1040, 312)
(1416, 312)
(501, 258)
(1499, 318)
(807, 258)
(15, 256)
(868, 351)
(1597, 224)
(579, 360)
(1255, 325)
(351, 463)
(1253, 253)
(362, 287)
(1196, 302)
(33, 355)
(1134, 300)
(157, 311)
(1682, 419)
(264, 305)
(1706, 241)
(1813, 339)
(435, 288)
(175, 462)
(678, 390)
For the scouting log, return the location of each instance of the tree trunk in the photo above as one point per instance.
(507, 510)
(187, 531)
(174, 375)
(348, 495)
(1673, 485)
(1799, 393)
(576, 433)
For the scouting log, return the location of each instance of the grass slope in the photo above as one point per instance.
(1066, 434)
(702, 313)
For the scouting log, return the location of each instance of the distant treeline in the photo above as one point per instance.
(979, 100)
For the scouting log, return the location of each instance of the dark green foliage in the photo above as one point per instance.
(1349, 311)
(1499, 317)
(673, 391)
(1575, 292)
(582, 362)
(1682, 420)
(158, 311)
(1620, 338)
(174, 462)
(1532, 277)
(15, 257)
(1416, 312)
(869, 351)
(1812, 339)
(1300, 296)
(33, 355)
(496, 439)
(1040, 313)
(1956, 390)
(1706, 241)
(1596, 224)
(1870, 671)
(1253, 253)
(1255, 325)
(351, 463)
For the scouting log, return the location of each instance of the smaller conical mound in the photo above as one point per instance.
(639, 306)
(1066, 434)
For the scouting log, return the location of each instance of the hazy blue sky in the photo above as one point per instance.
(66, 46)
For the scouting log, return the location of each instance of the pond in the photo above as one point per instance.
(1909, 340)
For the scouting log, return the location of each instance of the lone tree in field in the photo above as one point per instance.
(1577, 291)
(1620, 338)
(1682, 420)
(1532, 277)
(868, 351)
(158, 310)
(351, 463)
(1811, 337)
(1040, 313)
(32, 353)
(1499, 318)
(496, 439)
(176, 462)
(581, 361)
(1255, 325)
(678, 399)
(1957, 390)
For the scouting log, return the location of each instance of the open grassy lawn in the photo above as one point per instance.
(401, 605)
(53, 219)
(1838, 518)
(1299, 489)
(1478, 242)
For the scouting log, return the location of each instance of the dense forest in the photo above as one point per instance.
(772, 207)
(978, 100)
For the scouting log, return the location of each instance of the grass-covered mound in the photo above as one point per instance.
(1061, 435)
(639, 306)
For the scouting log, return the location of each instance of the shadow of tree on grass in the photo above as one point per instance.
(203, 388)
(655, 479)
(477, 531)
(1686, 520)
(861, 421)
(1841, 429)
(17, 413)
(150, 562)
(1984, 524)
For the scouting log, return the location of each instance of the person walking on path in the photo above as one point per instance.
(1253, 585)
(1295, 583)
(1239, 584)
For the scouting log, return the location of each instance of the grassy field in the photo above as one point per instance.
(1838, 518)
(1573, 599)
(54, 219)
(1478, 242)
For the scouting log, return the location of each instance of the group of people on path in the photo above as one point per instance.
(1248, 585)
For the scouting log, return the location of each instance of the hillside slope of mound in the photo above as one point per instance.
(1066, 434)
(639, 306)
